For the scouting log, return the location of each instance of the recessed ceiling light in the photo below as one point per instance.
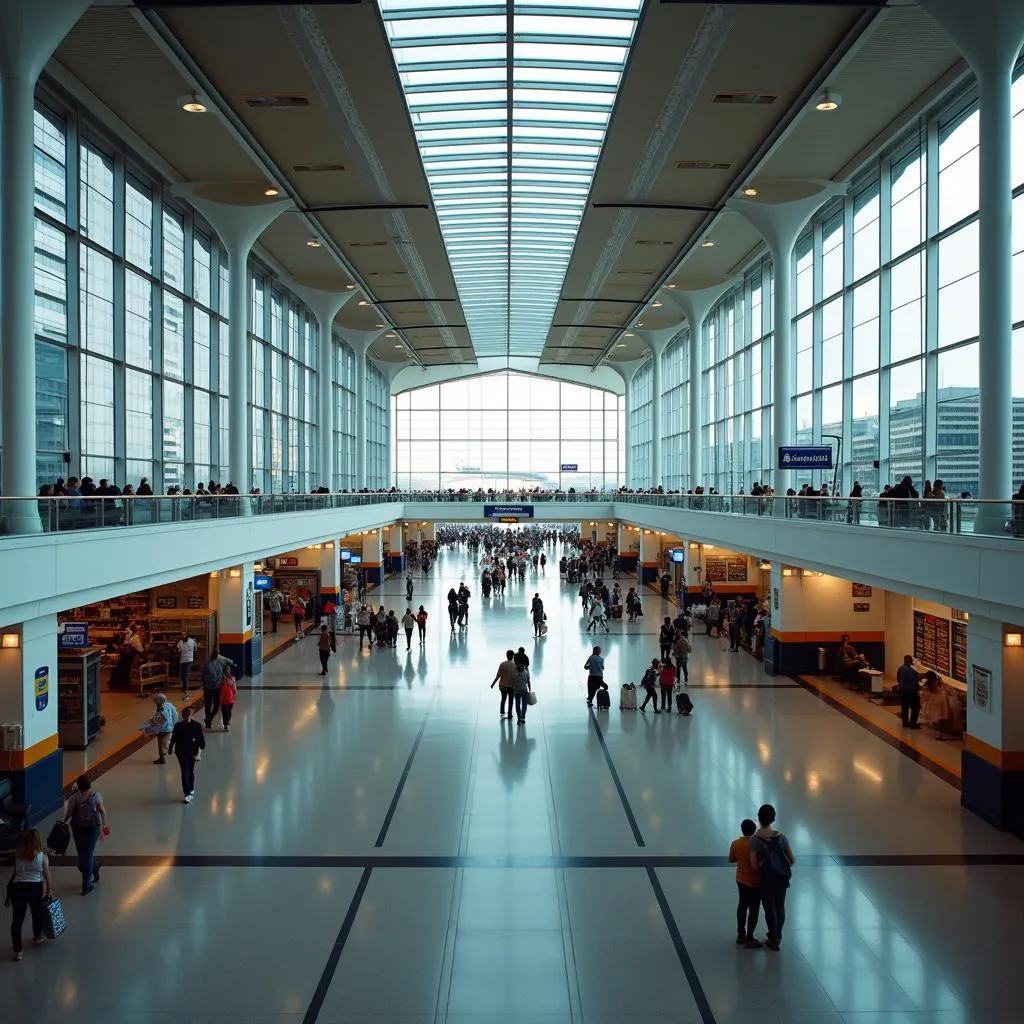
(655, 304)
(192, 104)
(400, 346)
(639, 323)
(629, 334)
(828, 100)
(270, 192)
(750, 191)
(313, 243)
(350, 287)
(620, 346)
(379, 325)
(391, 334)
(707, 244)
(363, 302)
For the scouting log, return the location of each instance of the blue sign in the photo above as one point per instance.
(570, 467)
(509, 511)
(72, 635)
(262, 582)
(346, 554)
(805, 456)
(356, 560)
(42, 688)
(678, 555)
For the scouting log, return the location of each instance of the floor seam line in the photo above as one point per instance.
(630, 816)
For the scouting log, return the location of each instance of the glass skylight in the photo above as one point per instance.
(510, 152)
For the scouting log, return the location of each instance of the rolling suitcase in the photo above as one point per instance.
(683, 702)
(59, 838)
(604, 701)
(627, 697)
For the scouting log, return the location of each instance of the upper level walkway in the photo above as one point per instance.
(958, 552)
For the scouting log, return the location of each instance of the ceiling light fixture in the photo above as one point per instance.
(828, 101)
(379, 326)
(391, 334)
(707, 244)
(192, 104)
(629, 334)
(639, 323)
(313, 243)
(621, 345)
(271, 192)
(350, 287)
(655, 304)
(362, 302)
(750, 191)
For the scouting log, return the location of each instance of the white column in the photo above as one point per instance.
(657, 342)
(990, 34)
(780, 223)
(239, 226)
(29, 33)
(325, 305)
(696, 303)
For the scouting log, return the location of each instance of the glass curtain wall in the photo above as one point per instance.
(641, 415)
(378, 432)
(885, 330)
(132, 371)
(675, 405)
(508, 430)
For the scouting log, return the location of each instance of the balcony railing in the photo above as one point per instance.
(946, 516)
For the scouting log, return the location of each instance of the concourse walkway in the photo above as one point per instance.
(378, 846)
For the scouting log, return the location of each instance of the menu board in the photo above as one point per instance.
(931, 641)
(715, 570)
(959, 651)
(736, 569)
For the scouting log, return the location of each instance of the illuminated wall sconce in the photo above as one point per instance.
(1009, 639)
(788, 571)
(12, 641)
(765, 566)
(318, 547)
(215, 575)
(709, 547)
(329, 545)
(235, 573)
(694, 545)
(811, 572)
(257, 567)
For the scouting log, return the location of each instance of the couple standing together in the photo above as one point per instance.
(513, 681)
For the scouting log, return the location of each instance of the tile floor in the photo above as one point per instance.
(378, 846)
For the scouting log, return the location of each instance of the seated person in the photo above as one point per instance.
(849, 661)
(935, 707)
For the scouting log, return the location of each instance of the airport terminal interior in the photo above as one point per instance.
(465, 466)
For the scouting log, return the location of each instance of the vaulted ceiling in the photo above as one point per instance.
(485, 176)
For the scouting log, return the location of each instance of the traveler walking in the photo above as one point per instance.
(521, 689)
(666, 636)
(87, 817)
(160, 725)
(408, 621)
(228, 695)
(908, 684)
(187, 744)
(421, 623)
(772, 856)
(365, 624)
(324, 648)
(408, 587)
(748, 884)
(186, 647)
(681, 654)
(213, 674)
(650, 684)
(29, 886)
(503, 677)
(298, 615)
(667, 681)
(276, 601)
(463, 604)
(453, 607)
(595, 674)
(537, 612)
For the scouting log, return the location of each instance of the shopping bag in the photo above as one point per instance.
(55, 924)
(531, 698)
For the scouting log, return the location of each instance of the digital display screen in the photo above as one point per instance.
(356, 559)
(262, 582)
(346, 554)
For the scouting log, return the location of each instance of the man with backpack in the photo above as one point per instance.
(88, 819)
(772, 856)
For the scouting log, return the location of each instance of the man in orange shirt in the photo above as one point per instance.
(748, 882)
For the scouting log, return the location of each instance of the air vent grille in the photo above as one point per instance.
(280, 101)
(701, 165)
(365, 245)
(317, 168)
(747, 99)
(635, 273)
(650, 241)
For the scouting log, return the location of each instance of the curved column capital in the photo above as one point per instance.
(360, 341)
(779, 221)
(657, 340)
(237, 211)
(326, 305)
(30, 31)
(696, 303)
(989, 33)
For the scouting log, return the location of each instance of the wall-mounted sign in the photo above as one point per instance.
(981, 687)
(262, 582)
(42, 687)
(570, 467)
(248, 602)
(805, 456)
(860, 590)
(497, 511)
(196, 601)
(861, 607)
(165, 603)
(508, 519)
(290, 561)
(775, 598)
(71, 635)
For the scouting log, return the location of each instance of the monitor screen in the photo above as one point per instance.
(678, 555)
(262, 582)
(346, 554)
(355, 559)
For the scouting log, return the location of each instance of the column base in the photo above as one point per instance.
(649, 573)
(247, 654)
(993, 793)
(41, 785)
(628, 562)
(394, 563)
(374, 573)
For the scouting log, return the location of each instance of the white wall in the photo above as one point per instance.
(824, 604)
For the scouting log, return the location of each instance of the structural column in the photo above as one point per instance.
(325, 305)
(696, 301)
(28, 699)
(779, 217)
(627, 370)
(238, 224)
(330, 573)
(29, 33)
(373, 557)
(236, 619)
(394, 561)
(657, 342)
(992, 783)
(990, 34)
(360, 342)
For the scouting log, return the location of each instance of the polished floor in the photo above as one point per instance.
(382, 848)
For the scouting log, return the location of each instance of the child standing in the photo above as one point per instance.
(748, 882)
(228, 693)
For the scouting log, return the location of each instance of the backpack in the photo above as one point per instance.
(604, 700)
(84, 813)
(775, 867)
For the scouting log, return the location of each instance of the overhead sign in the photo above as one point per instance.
(570, 467)
(805, 456)
(71, 635)
(262, 582)
(508, 519)
(498, 511)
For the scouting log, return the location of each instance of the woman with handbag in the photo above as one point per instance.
(522, 691)
(28, 887)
